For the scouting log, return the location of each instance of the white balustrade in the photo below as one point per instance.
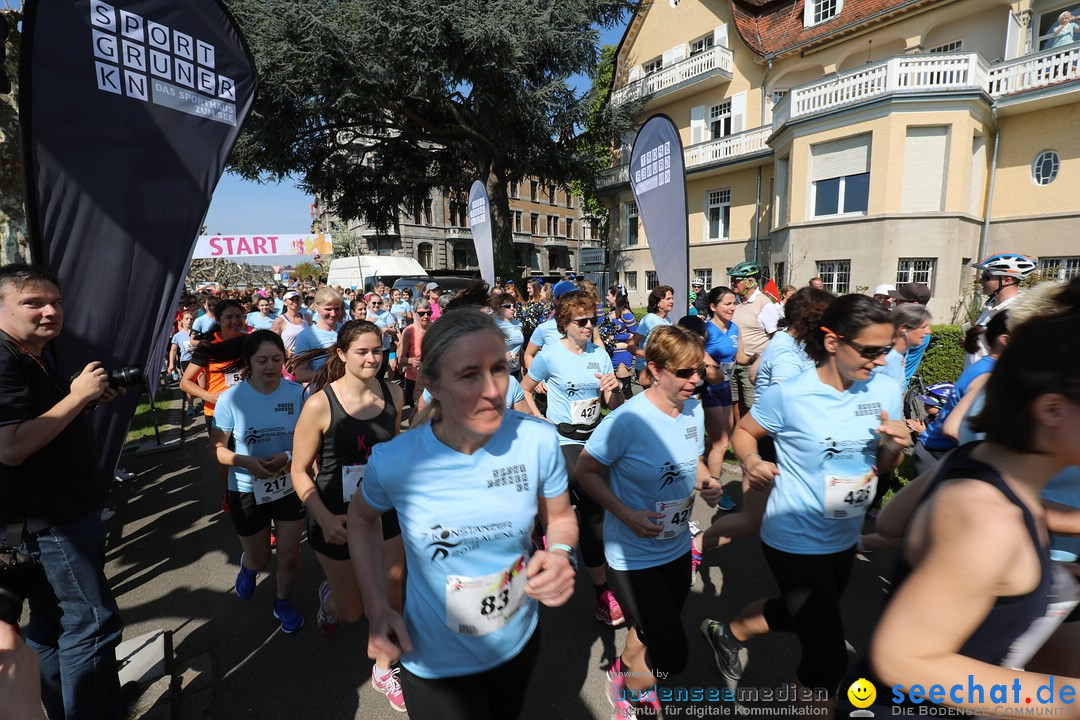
(715, 58)
(1038, 70)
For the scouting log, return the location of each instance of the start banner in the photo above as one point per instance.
(209, 247)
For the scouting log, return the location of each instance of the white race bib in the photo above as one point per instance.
(481, 605)
(271, 489)
(676, 517)
(233, 378)
(849, 497)
(727, 367)
(585, 412)
(351, 477)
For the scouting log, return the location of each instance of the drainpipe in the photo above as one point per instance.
(990, 192)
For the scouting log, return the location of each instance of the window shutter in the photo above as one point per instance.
(635, 74)
(738, 112)
(697, 124)
(674, 55)
(924, 168)
(978, 175)
(850, 156)
(720, 35)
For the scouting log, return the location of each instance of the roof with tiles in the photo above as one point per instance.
(775, 27)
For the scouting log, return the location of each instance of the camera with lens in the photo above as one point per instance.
(126, 377)
(18, 573)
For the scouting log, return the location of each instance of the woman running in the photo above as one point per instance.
(253, 437)
(231, 324)
(321, 335)
(833, 426)
(579, 377)
(467, 487)
(620, 318)
(290, 323)
(180, 352)
(358, 309)
(348, 413)
(645, 530)
(911, 325)
(975, 593)
(511, 329)
(263, 318)
(661, 300)
(410, 347)
(724, 345)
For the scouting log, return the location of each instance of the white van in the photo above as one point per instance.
(363, 271)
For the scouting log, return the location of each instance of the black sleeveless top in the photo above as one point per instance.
(1017, 625)
(349, 441)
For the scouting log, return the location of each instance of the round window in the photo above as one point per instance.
(1045, 168)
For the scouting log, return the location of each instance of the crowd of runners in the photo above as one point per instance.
(552, 424)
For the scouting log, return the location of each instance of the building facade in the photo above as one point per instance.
(861, 141)
(547, 222)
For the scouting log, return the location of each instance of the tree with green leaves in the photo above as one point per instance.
(371, 103)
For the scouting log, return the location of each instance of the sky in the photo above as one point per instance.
(240, 207)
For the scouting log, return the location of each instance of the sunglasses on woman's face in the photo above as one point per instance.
(584, 322)
(868, 352)
(423, 313)
(687, 373)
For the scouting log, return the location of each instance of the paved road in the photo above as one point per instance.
(173, 558)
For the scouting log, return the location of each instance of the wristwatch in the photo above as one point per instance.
(570, 554)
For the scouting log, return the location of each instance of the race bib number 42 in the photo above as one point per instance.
(848, 497)
(479, 606)
(676, 517)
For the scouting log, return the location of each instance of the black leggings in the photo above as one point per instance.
(590, 514)
(490, 695)
(809, 605)
(652, 600)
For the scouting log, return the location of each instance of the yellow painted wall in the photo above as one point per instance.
(743, 185)
(665, 26)
(1022, 138)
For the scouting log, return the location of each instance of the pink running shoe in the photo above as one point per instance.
(608, 610)
(390, 686)
(617, 691)
(328, 622)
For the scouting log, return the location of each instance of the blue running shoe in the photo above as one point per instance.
(291, 620)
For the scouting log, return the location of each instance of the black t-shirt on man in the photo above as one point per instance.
(55, 484)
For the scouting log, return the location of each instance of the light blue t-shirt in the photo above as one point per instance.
(511, 330)
(826, 447)
(514, 393)
(545, 333)
(653, 459)
(463, 518)
(384, 319)
(572, 384)
(1064, 488)
(257, 321)
(783, 358)
(261, 425)
(894, 367)
(279, 306)
(645, 327)
(312, 338)
(182, 340)
(203, 323)
(401, 312)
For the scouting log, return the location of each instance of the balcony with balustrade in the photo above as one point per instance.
(707, 69)
(1053, 71)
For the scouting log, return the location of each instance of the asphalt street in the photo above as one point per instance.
(173, 558)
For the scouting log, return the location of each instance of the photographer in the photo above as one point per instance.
(48, 456)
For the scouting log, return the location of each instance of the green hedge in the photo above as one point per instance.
(944, 359)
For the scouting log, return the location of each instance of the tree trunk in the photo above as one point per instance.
(502, 228)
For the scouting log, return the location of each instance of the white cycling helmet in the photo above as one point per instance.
(1007, 265)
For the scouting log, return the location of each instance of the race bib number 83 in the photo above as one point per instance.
(479, 606)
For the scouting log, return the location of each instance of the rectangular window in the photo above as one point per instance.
(840, 176)
(552, 225)
(718, 214)
(781, 274)
(533, 190)
(631, 281)
(427, 211)
(1060, 268)
(955, 46)
(534, 223)
(631, 223)
(1053, 33)
(720, 120)
(552, 195)
(920, 270)
(569, 227)
(705, 275)
(654, 65)
(701, 45)
(819, 11)
(569, 198)
(836, 274)
(517, 221)
(515, 189)
(650, 280)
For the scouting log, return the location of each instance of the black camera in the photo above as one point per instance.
(18, 573)
(126, 377)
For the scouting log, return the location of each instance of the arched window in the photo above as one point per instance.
(424, 255)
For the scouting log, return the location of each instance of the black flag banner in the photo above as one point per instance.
(129, 111)
(658, 180)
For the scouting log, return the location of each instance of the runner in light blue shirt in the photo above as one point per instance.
(261, 425)
(661, 300)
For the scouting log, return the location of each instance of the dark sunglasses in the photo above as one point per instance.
(423, 312)
(584, 322)
(510, 305)
(868, 352)
(687, 373)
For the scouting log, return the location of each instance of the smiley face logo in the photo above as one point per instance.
(862, 693)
